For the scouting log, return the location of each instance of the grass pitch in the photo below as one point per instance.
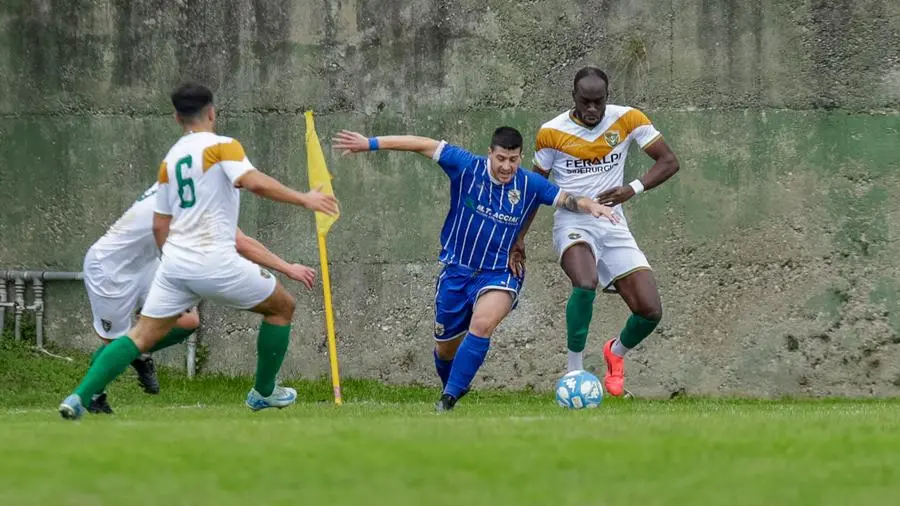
(197, 444)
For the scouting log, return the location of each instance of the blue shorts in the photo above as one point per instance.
(457, 290)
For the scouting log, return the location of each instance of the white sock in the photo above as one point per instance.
(618, 348)
(576, 361)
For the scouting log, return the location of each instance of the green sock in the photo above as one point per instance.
(109, 364)
(579, 311)
(636, 329)
(271, 345)
(97, 353)
(175, 336)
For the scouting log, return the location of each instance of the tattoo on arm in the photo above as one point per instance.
(571, 203)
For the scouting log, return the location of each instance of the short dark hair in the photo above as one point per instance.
(589, 71)
(507, 138)
(190, 98)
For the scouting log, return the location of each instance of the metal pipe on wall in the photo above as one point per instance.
(38, 307)
(18, 303)
(42, 275)
(20, 306)
(4, 302)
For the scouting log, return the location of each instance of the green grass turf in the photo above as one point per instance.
(196, 444)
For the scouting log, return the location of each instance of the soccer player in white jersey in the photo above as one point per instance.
(195, 224)
(118, 270)
(489, 200)
(584, 151)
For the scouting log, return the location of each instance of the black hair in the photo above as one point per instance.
(588, 72)
(507, 138)
(190, 98)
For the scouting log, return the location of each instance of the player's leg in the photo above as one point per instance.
(111, 318)
(117, 356)
(625, 268)
(186, 324)
(579, 262)
(494, 299)
(452, 313)
(166, 301)
(242, 284)
(271, 346)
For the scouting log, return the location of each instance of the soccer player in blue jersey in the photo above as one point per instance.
(489, 199)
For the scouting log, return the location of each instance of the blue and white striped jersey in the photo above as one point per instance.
(485, 216)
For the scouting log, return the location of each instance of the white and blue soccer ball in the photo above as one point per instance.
(579, 390)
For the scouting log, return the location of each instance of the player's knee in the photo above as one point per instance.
(483, 325)
(585, 284)
(189, 321)
(652, 311)
(287, 306)
(446, 350)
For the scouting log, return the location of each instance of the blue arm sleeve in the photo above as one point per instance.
(453, 159)
(547, 192)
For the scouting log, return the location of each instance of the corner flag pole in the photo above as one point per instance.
(320, 179)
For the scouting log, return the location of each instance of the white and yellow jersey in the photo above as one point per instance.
(119, 258)
(585, 161)
(196, 188)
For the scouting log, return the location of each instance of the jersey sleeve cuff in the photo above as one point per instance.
(653, 139)
(236, 175)
(438, 150)
(559, 194)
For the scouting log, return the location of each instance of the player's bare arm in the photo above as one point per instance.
(268, 187)
(256, 252)
(354, 142)
(585, 205)
(161, 224)
(665, 167)
(517, 252)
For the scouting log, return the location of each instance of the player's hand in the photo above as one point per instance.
(517, 259)
(350, 142)
(615, 196)
(301, 273)
(599, 210)
(318, 201)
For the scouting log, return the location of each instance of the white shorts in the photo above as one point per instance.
(614, 247)
(114, 314)
(237, 283)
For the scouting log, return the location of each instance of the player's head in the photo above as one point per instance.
(505, 153)
(194, 105)
(590, 90)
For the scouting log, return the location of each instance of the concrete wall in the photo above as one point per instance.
(775, 246)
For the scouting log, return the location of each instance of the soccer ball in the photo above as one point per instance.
(578, 390)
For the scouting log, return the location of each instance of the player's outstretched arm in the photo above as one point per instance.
(268, 187)
(353, 142)
(256, 252)
(585, 205)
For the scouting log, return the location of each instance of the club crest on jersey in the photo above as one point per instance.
(514, 196)
(264, 273)
(611, 137)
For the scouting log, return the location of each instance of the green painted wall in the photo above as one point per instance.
(775, 246)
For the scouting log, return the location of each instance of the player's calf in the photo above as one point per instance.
(272, 343)
(490, 309)
(580, 266)
(444, 352)
(640, 293)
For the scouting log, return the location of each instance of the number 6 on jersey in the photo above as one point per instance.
(185, 182)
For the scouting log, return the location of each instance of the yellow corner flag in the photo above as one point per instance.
(320, 179)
